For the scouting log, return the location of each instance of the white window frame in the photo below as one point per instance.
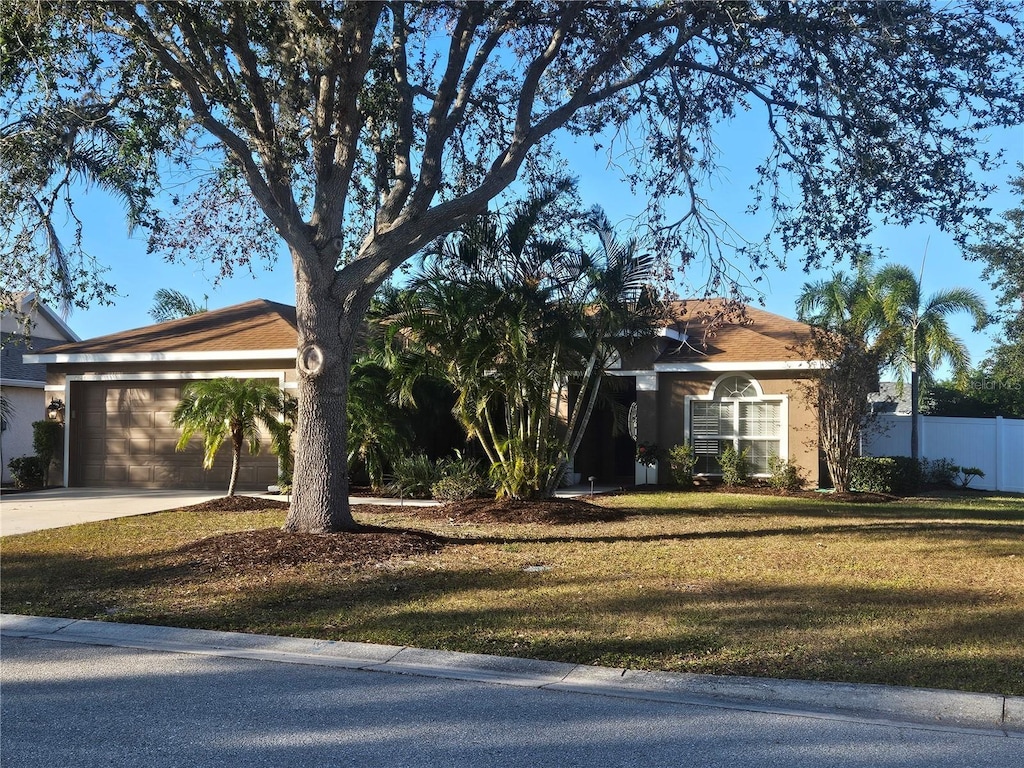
(760, 397)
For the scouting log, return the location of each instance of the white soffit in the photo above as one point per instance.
(726, 366)
(157, 357)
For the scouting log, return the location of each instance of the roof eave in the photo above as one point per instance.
(719, 366)
(88, 358)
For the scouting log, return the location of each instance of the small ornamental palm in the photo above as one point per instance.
(231, 409)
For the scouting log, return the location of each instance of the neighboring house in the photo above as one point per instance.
(120, 391)
(23, 383)
(712, 384)
(891, 398)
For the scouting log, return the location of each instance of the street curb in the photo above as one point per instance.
(912, 707)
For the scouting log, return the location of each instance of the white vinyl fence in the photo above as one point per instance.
(996, 446)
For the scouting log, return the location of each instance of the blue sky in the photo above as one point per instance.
(138, 275)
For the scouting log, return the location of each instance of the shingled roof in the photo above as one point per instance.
(708, 332)
(257, 326)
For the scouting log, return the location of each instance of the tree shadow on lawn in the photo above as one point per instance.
(45, 577)
(979, 534)
(895, 636)
(995, 509)
(882, 634)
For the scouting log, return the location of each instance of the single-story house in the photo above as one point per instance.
(21, 383)
(120, 391)
(736, 382)
(711, 378)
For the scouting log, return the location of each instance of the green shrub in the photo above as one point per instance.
(460, 478)
(785, 475)
(456, 488)
(682, 459)
(899, 475)
(27, 471)
(964, 475)
(735, 467)
(413, 476)
(939, 471)
(47, 442)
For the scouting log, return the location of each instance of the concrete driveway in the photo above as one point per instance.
(58, 507)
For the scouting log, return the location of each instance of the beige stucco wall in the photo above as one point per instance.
(802, 436)
(29, 405)
(40, 326)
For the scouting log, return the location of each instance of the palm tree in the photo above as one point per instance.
(44, 156)
(841, 303)
(232, 409)
(378, 431)
(169, 304)
(509, 317)
(915, 334)
(844, 329)
(885, 310)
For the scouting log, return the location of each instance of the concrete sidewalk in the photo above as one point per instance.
(922, 708)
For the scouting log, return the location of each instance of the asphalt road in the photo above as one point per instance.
(68, 704)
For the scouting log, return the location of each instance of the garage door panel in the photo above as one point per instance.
(122, 436)
(166, 447)
(142, 419)
(93, 418)
(266, 475)
(162, 419)
(141, 447)
(112, 473)
(140, 475)
(112, 447)
(165, 477)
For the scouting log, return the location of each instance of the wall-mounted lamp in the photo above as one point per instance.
(55, 411)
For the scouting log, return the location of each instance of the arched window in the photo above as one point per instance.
(736, 412)
(735, 386)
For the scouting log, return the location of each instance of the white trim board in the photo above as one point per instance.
(266, 373)
(157, 357)
(725, 366)
(25, 383)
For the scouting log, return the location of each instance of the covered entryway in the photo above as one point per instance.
(120, 435)
(608, 452)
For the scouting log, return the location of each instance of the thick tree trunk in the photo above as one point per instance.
(320, 480)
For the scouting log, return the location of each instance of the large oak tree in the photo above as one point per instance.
(360, 132)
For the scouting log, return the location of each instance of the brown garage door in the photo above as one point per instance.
(121, 435)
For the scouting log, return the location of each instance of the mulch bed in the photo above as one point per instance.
(247, 551)
(534, 511)
(238, 504)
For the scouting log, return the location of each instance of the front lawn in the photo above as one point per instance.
(920, 592)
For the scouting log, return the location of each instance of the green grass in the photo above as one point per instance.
(921, 592)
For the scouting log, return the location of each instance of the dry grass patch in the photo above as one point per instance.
(926, 592)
